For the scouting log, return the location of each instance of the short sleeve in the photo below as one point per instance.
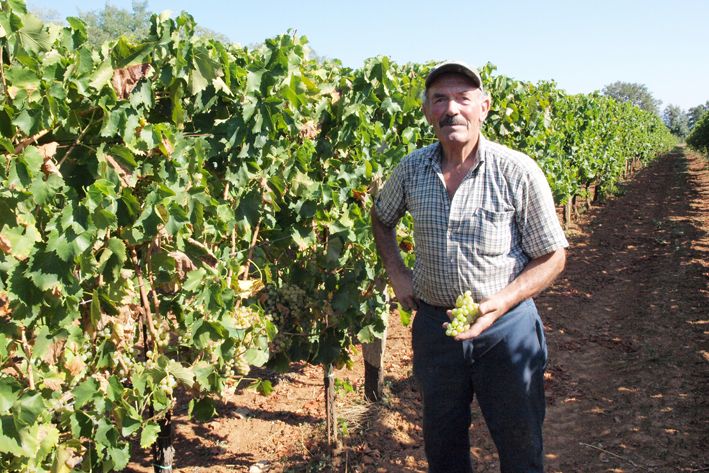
(540, 229)
(390, 204)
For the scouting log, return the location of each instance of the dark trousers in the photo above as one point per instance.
(503, 368)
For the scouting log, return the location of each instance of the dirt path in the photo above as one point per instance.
(628, 331)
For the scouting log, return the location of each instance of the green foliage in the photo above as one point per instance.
(699, 137)
(636, 94)
(676, 120)
(175, 210)
(695, 113)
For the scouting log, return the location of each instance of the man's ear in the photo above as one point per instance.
(425, 110)
(485, 107)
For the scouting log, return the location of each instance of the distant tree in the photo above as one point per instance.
(637, 94)
(676, 120)
(211, 34)
(47, 15)
(112, 22)
(695, 113)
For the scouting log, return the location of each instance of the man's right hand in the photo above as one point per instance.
(402, 282)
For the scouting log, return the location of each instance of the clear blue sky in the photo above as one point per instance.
(582, 45)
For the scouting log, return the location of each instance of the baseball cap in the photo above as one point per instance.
(457, 67)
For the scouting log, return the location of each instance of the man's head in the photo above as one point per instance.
(455, 103)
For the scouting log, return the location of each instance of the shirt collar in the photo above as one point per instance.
(480, 152)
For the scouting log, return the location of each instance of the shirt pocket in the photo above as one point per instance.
(493, 231)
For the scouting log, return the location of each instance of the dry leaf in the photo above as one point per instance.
(183, 263)
(123, 174)
(52, 355)
(309, 130)
(5, 246)
(4, 305)
(75, 366)
(50, 168)
(48, 150)
(53, 384)
(124, 80)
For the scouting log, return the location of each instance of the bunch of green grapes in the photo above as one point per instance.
(287, 304)
(464, 314)
(280, 344)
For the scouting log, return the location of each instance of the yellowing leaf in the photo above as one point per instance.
(249, 287)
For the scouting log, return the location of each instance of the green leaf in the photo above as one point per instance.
(9, 393)
(204, 72)
(202, 409)
(22, 77)
(139, 381)
(119, 456)
(404, 315)
(130, 426)
(33, 36)
(85, 392)
(49, 438)
(106, 434)
(149, 434)
(43, 340)
(102, 75)
(264, 387)
(21, 240)
(256, 357)
(365, 335)
(194, 279)
(9, 437)
(203, 371)
(81, 424)
(27, 123)
(27, 409)
(95, 310)
(334, 250)
(181, 373)
(127, 53)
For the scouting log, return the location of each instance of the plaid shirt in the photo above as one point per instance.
(500, 218)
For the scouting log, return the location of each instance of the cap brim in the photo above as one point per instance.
(456, 68)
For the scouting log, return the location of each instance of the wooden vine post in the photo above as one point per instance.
(163, 449)
(330, 416)
(373, 354)
(568, 211)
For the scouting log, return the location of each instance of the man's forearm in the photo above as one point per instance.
(399, 275)
(536, 276)
(385, 239)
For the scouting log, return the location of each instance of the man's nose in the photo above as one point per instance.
(452, 108)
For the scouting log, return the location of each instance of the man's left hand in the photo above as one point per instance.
(490, 310)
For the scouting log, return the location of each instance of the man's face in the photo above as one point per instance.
(456, 109)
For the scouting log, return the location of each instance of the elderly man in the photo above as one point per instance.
(485, 222)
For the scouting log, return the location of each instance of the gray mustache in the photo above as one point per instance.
(449, 121)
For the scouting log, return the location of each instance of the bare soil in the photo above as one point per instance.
(628, 378)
